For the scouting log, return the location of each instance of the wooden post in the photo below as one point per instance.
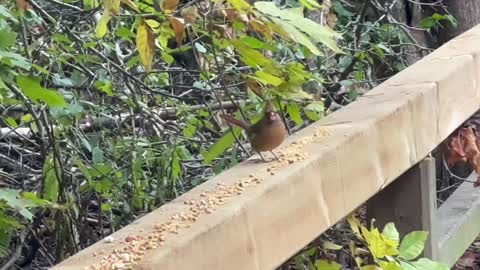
(410, 202)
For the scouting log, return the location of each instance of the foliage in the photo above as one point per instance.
(110, 108)
(436, 21)
(385, 250)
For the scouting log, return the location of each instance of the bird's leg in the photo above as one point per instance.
(274, 155)
(260, 154)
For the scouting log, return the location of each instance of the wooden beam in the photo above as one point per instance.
(459, 217)
(257, 215)
(411, 203)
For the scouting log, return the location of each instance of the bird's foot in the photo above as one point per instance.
(275, 155)
(263, 159)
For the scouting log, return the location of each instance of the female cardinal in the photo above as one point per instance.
(265, 135)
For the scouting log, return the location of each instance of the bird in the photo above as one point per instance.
(266, 134)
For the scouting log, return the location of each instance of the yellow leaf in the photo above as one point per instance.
(102, 27)
(112, 6)
(131, 4)
(240, 5)
(168, 6)
(145, 45)
(152, 23)
(178, 26)
(190, 14)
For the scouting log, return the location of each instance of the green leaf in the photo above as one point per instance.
(252, 42)
(250, 56)
(41, 69)
(371, 267)
(315, 31)
(97, 155)
(293, 111)
(7, 223)
(32, 197)
(326, 265)
(51, 188)
(221, 145)
(310, 4)
(106, 207)
(340, 10)
(298, 36)
(11, 122)
(427, 23)
(168, 58)
(390, 265)
(104, 86)
(14, 59)
(391, 232)
(90, 4)
(331, 245)
(30, 86)
(102, 26)
(176, 166)
(297, 94)
(5, 239)
(412, 245)
(125, 33)
(7, 38)
(423, 264)
(267, 78)
(13, 199)
(315, 110)
(5, 13)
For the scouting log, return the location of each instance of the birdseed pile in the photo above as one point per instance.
(136, 246)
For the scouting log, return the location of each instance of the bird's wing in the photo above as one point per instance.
(236, 122)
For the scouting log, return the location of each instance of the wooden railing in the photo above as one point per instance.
(257, 215)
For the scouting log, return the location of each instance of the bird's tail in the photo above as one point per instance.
(236, 122)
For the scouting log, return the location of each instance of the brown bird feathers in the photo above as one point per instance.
(265, 135)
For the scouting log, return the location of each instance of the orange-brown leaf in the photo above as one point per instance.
(23, 5)
(178, 26)
(168, 6)
(456, 153)
(470, 141)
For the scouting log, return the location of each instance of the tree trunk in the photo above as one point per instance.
(467, 12)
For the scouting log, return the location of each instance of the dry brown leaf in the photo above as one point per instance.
(190, 14)
(331, 20)
(255, 87)
(456, 153)
(23, 5)
(178, 26)
(260, 27)
(168, 6)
